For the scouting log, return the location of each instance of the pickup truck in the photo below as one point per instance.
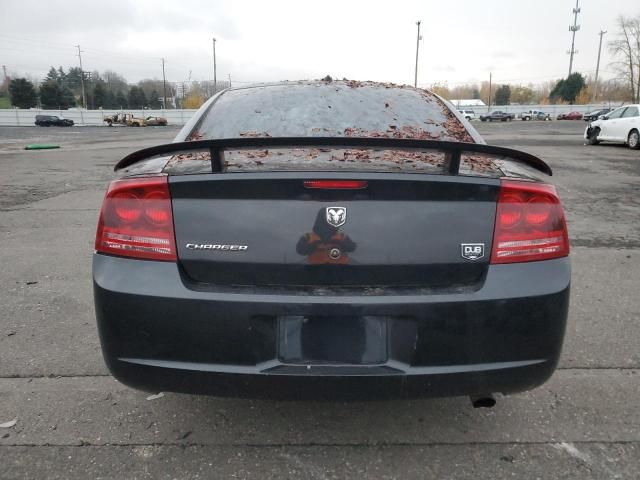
(534, 115)
(497, 115)
(468, 114)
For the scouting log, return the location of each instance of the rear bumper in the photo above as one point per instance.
(160, 333)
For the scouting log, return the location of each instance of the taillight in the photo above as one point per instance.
(136, 220)
(530, 224)
(336, 184)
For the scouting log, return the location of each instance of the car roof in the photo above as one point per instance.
(336, 108)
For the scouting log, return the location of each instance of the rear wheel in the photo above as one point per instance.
(593, 136)
(633, 140)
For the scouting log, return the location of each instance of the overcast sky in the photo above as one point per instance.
(463, 40)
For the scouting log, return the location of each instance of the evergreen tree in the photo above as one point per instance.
(50, 94)
(110, 100)
(73, 79)
(67, 99)
(503, 95)
(22, 93)
(137, 98)
(54, 96)
(121, 100)
(154, 100)
(99, 95)
(52, 76)
(568, 88)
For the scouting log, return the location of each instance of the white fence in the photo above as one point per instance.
(552, 110)
(16, 117)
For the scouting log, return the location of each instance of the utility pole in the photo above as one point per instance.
(215, 78)
(415, 80)
(4, 70)
(489, 106)
(164, 88)
(595, 86)
(574, 28)
(229, 80)
(84, 97)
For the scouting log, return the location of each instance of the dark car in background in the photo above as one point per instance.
(53, 121)
(497, 115)
(595, 115)
(570, 116)
(326, 240)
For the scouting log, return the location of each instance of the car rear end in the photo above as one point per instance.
(352, 265)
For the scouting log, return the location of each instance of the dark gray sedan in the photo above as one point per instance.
(331, 240)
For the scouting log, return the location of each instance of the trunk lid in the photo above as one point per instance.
(268, 229)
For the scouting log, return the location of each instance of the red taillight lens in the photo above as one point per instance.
(530, 224)
(336, 184)
(136, 220)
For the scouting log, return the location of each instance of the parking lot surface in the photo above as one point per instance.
(75, 421)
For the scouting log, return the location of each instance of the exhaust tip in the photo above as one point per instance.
(483, 401)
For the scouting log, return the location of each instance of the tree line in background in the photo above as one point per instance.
(576, 89)
(62, 90)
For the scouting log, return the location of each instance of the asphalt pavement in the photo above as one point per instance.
(74, 421)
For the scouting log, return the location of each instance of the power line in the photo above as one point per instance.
(84, 97)
(215, 79)
(164, 87)
(595, 86)
(415, 79)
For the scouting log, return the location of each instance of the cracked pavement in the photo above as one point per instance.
(75, 422)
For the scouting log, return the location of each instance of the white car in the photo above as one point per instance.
(468, 114)
(622, 125)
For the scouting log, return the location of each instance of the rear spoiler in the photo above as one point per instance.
(452, 150)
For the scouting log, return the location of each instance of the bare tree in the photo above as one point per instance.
(626, 47)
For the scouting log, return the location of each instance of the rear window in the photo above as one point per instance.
(345, 108)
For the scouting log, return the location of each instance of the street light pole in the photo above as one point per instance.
(215, 78)
(415, 80)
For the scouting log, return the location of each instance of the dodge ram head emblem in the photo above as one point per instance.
(336, 216)
(472, 251)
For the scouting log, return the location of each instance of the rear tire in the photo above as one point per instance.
(633, 140)
(593, 137)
